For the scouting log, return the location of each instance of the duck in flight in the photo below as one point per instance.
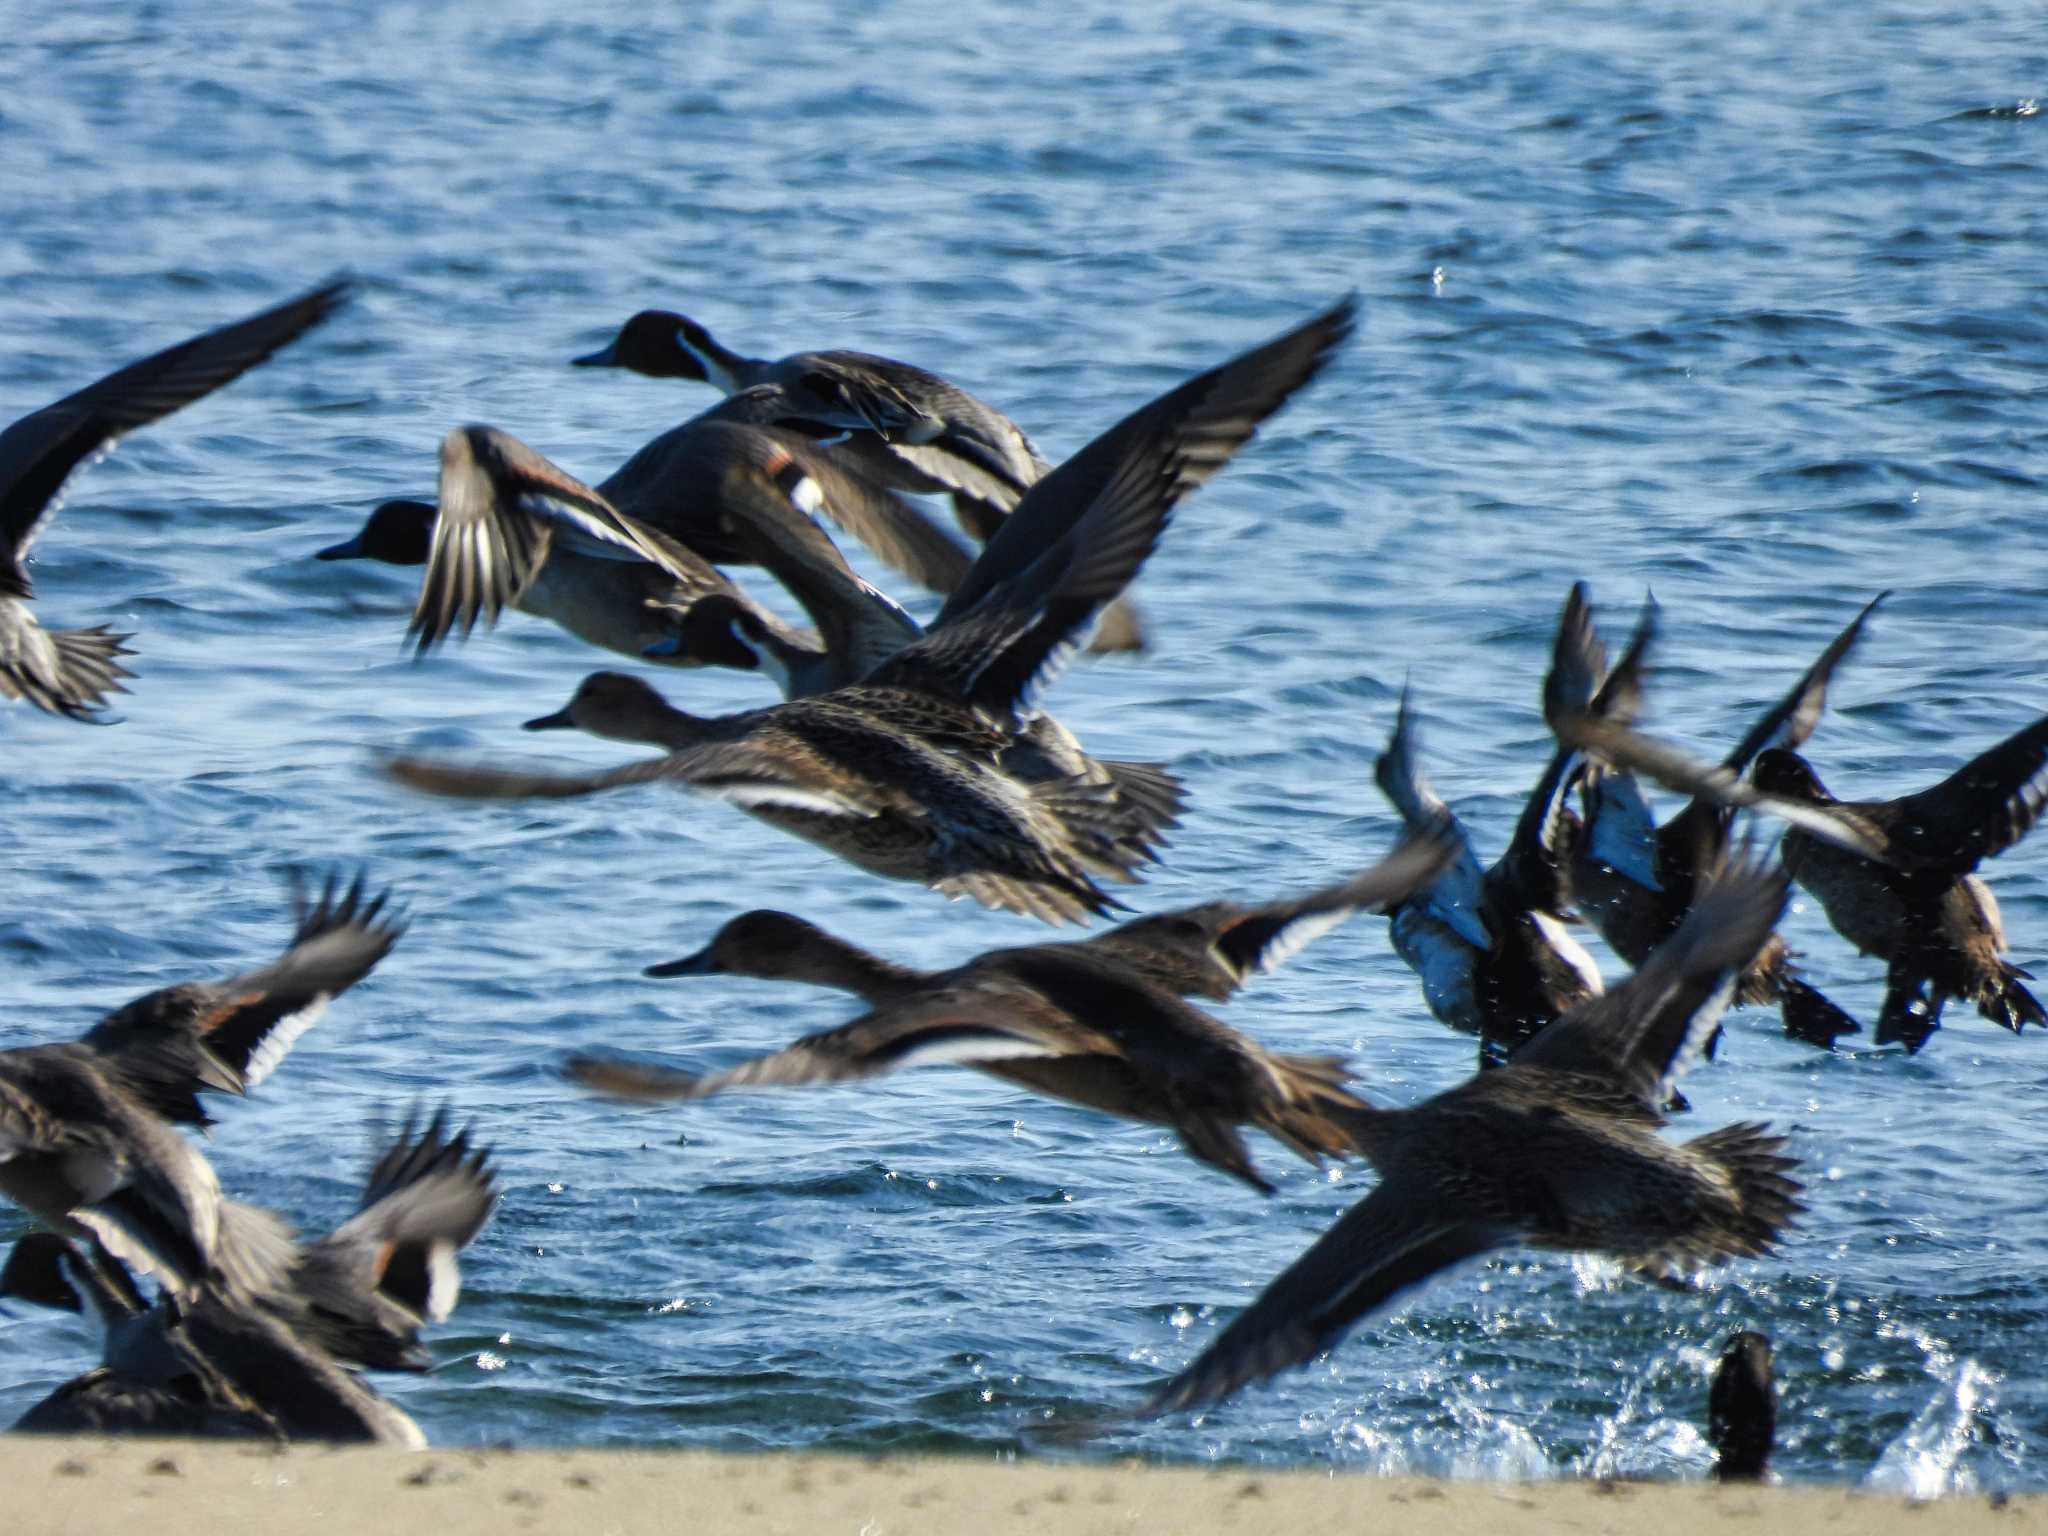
(71, 671)
(1491, 947)
(1100, 1022)
(1919, 904)
(907, 427)
(1556, 1149)
(1636, 879)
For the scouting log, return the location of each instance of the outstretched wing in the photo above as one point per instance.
(1981, 809)
(964, 1029)
(1387, 1244)
(231, 1035)
(1649, 1029)
(1791, 720)
(39, 452)
(1181, 439)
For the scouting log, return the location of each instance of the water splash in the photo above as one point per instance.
(1926, 1461)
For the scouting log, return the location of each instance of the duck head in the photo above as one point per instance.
(618, 707)
(397, 533)
(1782, 772)
(663, 345)
(766, 944)
(709, 632)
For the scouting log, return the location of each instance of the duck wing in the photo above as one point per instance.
(230, 1035)
(1456, 898)
(988, 1022)
(39, 452)
(1790, 721)
(1676, 769)
(899, 532)
(502, 507)
(933, 424)
(1217, 947)
(377, 1279)
(1981, 809)
(1530, 871)
(65, 672)
(1389, 1243)
(1649, 1030)
(1177, 442)
(474, 781)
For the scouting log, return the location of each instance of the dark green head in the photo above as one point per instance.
(658, 343)
(397, 533)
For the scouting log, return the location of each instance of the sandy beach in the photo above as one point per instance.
(179, 1487)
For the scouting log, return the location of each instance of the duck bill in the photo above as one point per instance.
(606, 357)
(348, 549)
(558, 721)
(699, 964)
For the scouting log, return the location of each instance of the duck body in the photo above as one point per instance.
(897, 795)
(1086, 1021)
(1923, 910)
(1557, 1149)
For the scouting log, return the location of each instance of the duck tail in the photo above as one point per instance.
(1317, 1114)
(86, 671)
(1811, 1017)
(1766, 1194)
(1099, 828)
(1151, 797)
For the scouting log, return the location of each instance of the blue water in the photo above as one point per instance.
(1743, 303)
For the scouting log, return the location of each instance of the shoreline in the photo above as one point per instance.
(69, 1485)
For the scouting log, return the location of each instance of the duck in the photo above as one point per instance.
(1491, 947)
(1557, 1149)
(861, 785)
(1077, 1021)
(868, 642)
(1041, 586)
(1916, 901)
(1635, 879)
(512, 529)
(615, 605)
(71, 672)
(908, 428)
(87, 1126)
(900, 772)
(932, 434)
(274, 1361)
(1895, 877)
(1742, 1410)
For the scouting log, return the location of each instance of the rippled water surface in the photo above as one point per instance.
(1743, 303)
